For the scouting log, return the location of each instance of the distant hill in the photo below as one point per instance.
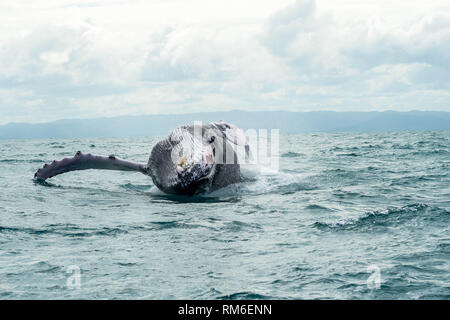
(287, 122)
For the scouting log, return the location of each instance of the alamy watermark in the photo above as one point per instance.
(74, 280)
(374, 280)
(231, 144)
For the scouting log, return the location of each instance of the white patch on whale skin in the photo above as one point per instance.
(236, 136)
(232, 133)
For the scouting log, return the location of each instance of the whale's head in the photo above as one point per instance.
(184, 163)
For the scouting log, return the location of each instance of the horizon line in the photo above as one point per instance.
(228, 111)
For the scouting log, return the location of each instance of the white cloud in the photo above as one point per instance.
(382, 62)
(61, 59)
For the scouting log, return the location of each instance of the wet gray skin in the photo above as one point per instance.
(191, 160)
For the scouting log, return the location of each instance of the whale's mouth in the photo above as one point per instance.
(195, 171)
(197, 168)
(190, 162)
(193, 174)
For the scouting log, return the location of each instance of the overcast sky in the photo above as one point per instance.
(83, 59)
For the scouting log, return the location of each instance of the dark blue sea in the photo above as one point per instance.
(348, 216)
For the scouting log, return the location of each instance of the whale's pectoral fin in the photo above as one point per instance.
(234, 135)
(88, 161)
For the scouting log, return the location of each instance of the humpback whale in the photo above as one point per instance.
(193, 159)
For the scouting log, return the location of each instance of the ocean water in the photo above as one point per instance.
(349, 216)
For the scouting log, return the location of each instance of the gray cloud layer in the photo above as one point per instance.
(92, 62)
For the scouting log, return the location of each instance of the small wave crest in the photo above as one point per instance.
(69, 230)
(259, 180)
(136, 187)
(291, 154)
(21, 161)
(244, 296)
(389, 217)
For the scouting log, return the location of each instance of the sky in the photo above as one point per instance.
(64, 59)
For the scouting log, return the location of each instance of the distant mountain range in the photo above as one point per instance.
(287, 122)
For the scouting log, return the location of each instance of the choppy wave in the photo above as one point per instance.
(291, 154)
(244, 296)
(371, 221)
(338, 204)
